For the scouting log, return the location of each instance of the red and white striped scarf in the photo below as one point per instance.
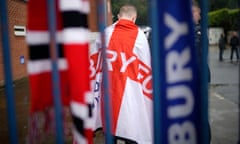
(73, 65)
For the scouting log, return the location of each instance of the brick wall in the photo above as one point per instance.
(93, 15)
(16, 16)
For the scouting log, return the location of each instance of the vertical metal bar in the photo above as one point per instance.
(55, 74)
(238, 3)
(102, 22)
(11, 113)
(204, 73)
(153, 14)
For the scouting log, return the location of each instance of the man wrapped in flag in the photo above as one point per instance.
(129, 73)
(73, 66)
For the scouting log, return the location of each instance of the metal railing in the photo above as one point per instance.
(153, 16)
(10, 98)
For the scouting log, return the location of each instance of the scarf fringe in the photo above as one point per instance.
(42, 126)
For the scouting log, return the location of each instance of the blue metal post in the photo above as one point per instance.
(11, 113)
(102, 20)
(55, 74)
(154, 19)
(204, 73)
(239, 77)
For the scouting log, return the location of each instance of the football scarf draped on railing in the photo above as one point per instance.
(178, 73)
(76, 44)
(73, 66)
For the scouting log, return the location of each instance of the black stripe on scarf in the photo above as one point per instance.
(78, 123)
(74, 19)
(38, 52)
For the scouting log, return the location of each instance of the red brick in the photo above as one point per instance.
(17, 11)
(17, 15)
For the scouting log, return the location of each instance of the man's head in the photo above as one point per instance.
(196, 11)
(128, 12)
(234, 33)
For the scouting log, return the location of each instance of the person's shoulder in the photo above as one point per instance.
(110, 26)
(140, 31)
(109, 29)
(197, 26)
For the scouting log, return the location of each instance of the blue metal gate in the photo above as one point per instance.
(153, 16)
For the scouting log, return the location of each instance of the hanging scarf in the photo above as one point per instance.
(73, 66)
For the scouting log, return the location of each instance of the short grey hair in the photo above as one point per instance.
(195, 3)
(127, 10)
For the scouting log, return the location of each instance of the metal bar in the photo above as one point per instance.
(55, 74)
(102, 22)
(153, 15)
(10, 98)
(238, 3)
(204, 73)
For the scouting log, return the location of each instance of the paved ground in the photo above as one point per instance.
(224, 120)
(224, 98)
(22, 108)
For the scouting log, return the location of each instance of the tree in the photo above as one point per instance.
(219, 4)
(226, 18)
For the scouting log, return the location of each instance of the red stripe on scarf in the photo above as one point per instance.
(38, 15)
(78, 64)
(41, 90)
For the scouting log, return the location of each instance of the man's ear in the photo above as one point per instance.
(118, 16)
(134, 19)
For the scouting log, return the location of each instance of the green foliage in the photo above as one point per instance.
(141, 6)
(218, 17)
(234, 16)
(219, 4)
(228, 19)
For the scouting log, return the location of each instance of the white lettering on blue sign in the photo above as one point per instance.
(182, 133)
(177, 73)
(180, 110)
(176, 66)
(177, 28)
